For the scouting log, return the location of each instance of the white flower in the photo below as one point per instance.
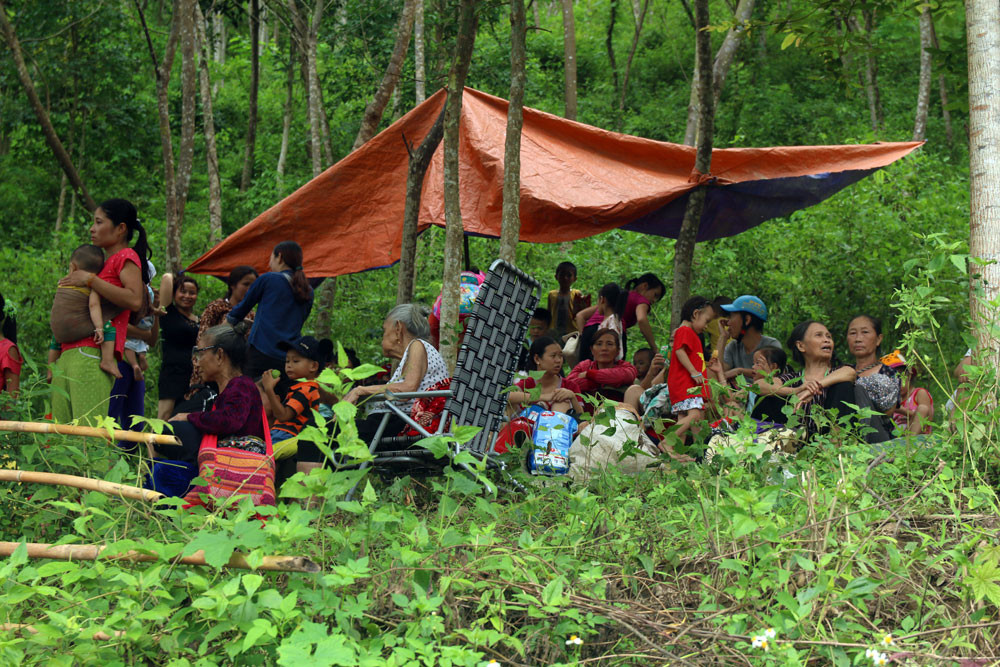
(492, 663)
(764, 640)
(574, 640)
(887, 640)
(878, 659)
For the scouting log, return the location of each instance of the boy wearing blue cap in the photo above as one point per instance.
(743, 335)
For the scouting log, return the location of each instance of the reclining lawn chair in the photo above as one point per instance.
(494, 334)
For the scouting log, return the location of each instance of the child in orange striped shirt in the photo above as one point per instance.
(304, 359)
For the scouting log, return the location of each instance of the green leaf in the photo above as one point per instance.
(647, 564)
(552, 594)
(743, 525)
(252, 582)
(788, 40)
(218, 548)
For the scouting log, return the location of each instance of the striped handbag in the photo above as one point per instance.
(236, 465)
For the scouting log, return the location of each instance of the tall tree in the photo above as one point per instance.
(219, 42)
(609, 43)
(420, 159)
(419, 59)
(688, 235)
(307, 34)
(185, 150)
(982, 20)
(924, 89)
(872, 90)
(454, 230)
(286, 122)
(720, 68)
(569, 59)
(375, 108)
(162, 71)
(251, 143)
(510, 227)
(943, 92)
(208, 127)
(51, 138)
(639, 10)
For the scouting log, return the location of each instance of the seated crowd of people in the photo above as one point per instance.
(721, 340)
(242, 374)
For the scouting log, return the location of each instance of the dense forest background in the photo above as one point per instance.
(805, 72)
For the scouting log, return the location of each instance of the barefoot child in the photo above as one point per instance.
(686, 375)
(304, 359)
(77, 313)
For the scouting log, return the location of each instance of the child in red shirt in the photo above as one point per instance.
(686, 376)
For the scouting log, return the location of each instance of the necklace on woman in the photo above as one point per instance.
(868, 367)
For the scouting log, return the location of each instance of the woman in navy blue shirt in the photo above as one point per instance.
(283, 298)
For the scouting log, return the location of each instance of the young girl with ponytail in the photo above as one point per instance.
(82, 389)
(283, 298)
(632, 305)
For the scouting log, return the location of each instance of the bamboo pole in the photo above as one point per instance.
(24, 627)
(88, 431)
(55, 479)
(93, 552)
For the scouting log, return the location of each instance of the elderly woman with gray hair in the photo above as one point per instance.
(405, 335)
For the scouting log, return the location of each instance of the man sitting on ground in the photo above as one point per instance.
(743, 335)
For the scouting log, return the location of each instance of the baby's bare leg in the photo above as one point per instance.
(108, 363)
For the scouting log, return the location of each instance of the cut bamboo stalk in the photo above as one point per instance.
(89, 431)
(97, 635)
(109, 488)
(93, 552)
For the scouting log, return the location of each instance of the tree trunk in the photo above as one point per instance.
(208, 123)
(61, 209)
(454, 230)
(982, 18)
(375, 108)
(219, 48)
(251, 144)
(510, 228)
(185, 151)
(871, 71)
(640, 18)
(943, 90)
(686, 239)
(724, 58)
(569, 58)
(534, 10)
(419, 60)
(609, 45)
(51, 138)
(315, 133)
(419, 161)
(286, 123)
(924, 90)
(308, 37)
(162, 71)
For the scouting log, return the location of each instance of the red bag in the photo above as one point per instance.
(513, 436)
(236, 466)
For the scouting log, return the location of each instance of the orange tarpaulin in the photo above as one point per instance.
(576, 181)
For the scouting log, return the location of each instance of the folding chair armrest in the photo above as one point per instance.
(407, 395)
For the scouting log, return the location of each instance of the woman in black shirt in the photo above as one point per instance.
(178, 333)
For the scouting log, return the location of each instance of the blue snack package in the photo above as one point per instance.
(553, 435)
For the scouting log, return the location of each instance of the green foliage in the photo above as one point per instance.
(831, 548)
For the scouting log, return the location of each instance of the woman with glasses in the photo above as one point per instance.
(237, 412)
